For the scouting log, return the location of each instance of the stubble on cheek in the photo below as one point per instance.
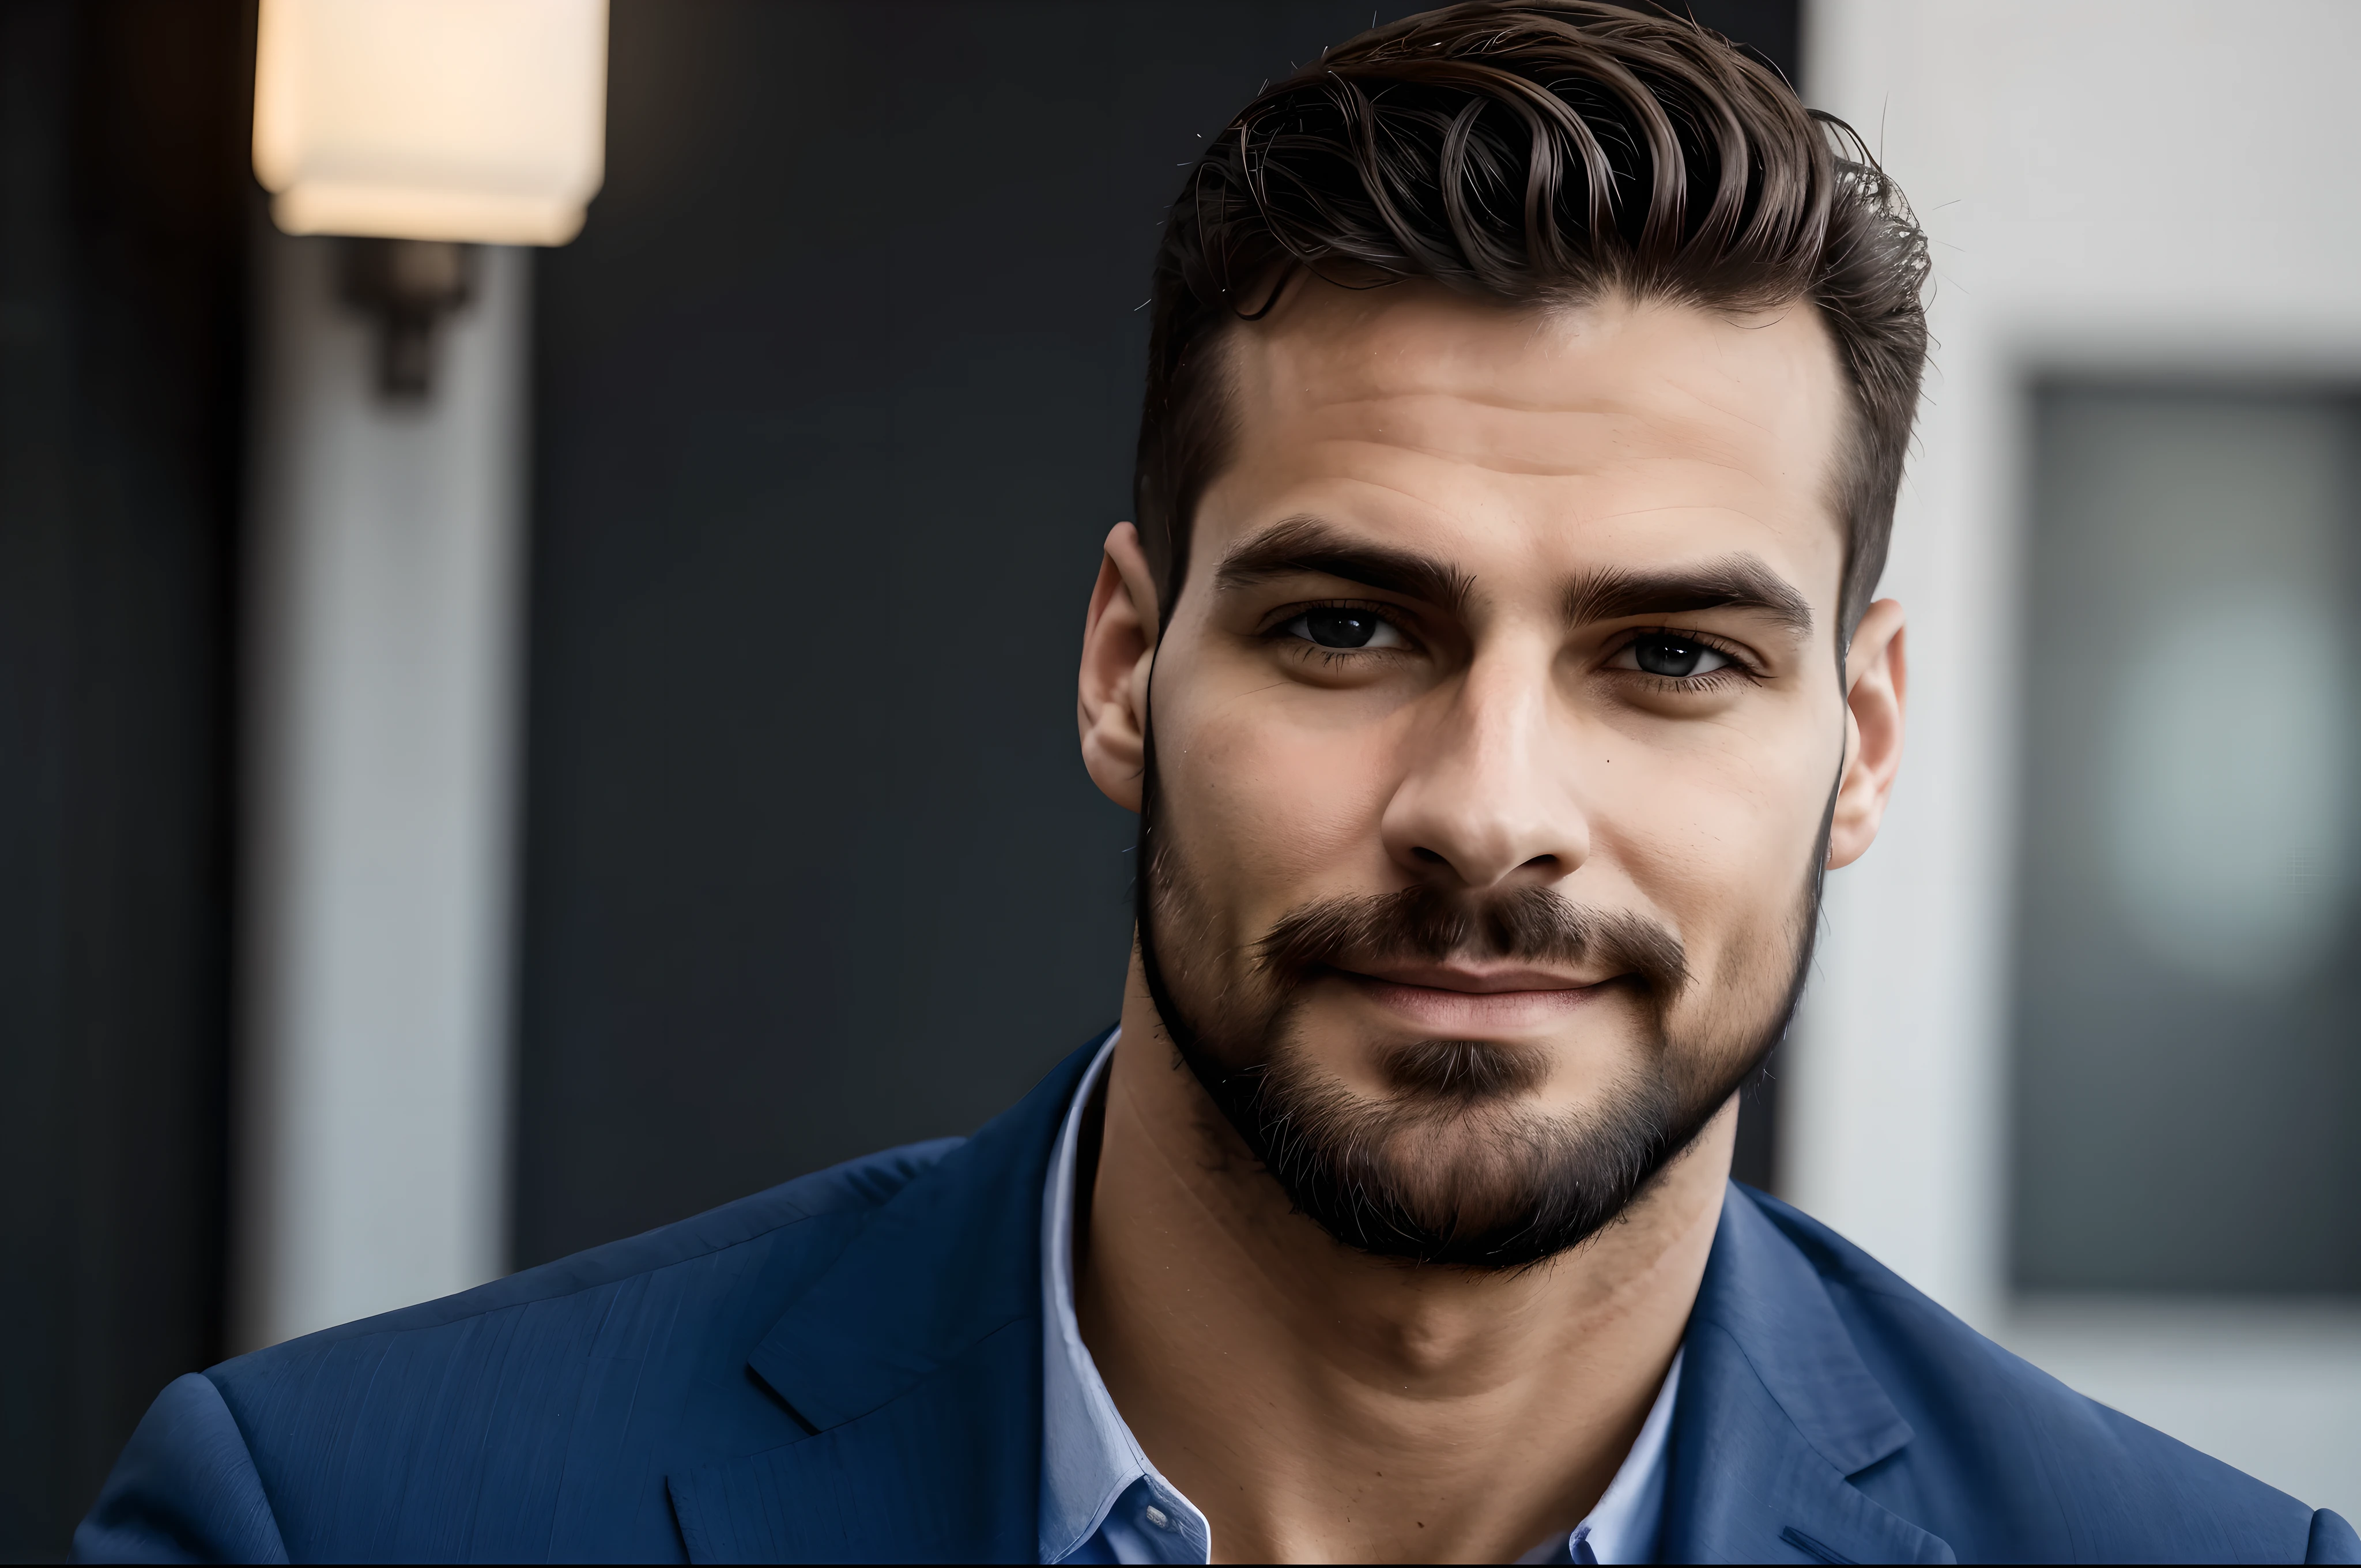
(1197, 952)
(1752, 986)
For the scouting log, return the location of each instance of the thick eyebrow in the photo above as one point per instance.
(1734, 582)
(1306, 544)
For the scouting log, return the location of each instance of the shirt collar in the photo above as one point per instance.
(1089, 1458)
(1625, 1524)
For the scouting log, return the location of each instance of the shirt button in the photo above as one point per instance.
(1158, 1517)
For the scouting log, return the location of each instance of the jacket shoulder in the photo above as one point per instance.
(533, 1417)
(184, 1491)
(2007, 1462)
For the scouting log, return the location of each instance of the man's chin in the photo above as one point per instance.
(1466, 1175)
(1462, 1171)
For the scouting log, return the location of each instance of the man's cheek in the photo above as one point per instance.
(1724, 864)
(1289, 802)
(1720, 818)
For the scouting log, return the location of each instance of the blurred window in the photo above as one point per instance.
(2189, 999)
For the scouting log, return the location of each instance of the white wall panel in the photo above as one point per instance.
(384, 608)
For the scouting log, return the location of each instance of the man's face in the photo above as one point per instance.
(1494, 734)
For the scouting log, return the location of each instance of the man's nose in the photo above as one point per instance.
(1486, 798)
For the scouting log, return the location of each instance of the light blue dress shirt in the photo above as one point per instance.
(1103, 1501)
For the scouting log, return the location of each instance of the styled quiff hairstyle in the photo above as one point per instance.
(1537, 152)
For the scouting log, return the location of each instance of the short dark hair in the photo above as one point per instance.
(1538, 151)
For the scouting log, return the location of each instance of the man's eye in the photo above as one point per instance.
(1668, 654)
(1342, 627)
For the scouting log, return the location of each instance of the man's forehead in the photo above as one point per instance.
(1341, 355)
(1646, 428)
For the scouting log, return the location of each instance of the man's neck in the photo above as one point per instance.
(1321, 1405)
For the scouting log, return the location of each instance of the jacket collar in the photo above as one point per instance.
(916, 1361)
(1776, 1410)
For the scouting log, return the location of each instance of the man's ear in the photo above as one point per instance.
(1876, 678)
(1118, 646)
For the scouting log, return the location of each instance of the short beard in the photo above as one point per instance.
(1448, 1169)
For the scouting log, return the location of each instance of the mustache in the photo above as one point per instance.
(1526, 925)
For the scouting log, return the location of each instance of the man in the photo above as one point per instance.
(1494, 669)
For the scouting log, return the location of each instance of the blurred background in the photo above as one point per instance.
(507, 744)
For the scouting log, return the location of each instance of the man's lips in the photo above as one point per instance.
(1475, 980)
(1469, 1000)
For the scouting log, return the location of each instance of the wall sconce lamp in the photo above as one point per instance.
(423, 128)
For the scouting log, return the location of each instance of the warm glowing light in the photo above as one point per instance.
(432, 119)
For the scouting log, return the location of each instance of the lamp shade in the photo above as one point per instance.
(481, 120)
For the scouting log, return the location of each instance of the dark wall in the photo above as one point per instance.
(836, 401)
(122, 193)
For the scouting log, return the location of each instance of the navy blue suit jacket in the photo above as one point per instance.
(849, 1368)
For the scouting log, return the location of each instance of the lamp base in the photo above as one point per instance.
(409, 285)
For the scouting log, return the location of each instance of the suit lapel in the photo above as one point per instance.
(916, 1361)
(1776, 1409)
